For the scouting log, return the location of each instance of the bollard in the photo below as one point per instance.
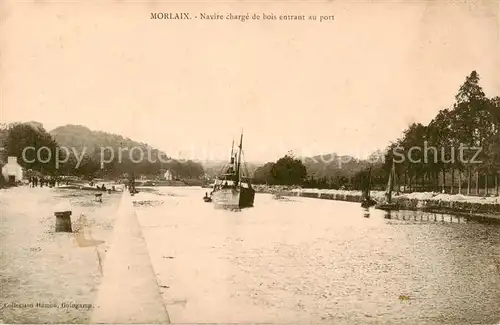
(63, 221)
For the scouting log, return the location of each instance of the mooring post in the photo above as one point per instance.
(63, 221)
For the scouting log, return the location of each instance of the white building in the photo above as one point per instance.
(12, 171)
(168, 175)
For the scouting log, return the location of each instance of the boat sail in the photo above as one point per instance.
(232, 189)
(388, 204)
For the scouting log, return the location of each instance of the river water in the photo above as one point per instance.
(319, 261)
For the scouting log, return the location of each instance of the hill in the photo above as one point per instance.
(332, 165)
(325, 171)
(136, 157)
(80, 137)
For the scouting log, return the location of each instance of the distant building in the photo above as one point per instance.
(12, 172)
(169, 176)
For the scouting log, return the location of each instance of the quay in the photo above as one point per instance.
(129, 290)
(457, 204)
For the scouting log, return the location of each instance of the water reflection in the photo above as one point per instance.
(428, 217)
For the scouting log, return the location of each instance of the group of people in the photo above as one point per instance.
(41, 181)
(131, 186)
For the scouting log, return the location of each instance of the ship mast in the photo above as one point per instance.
(390, 184)
(239, 158)
(232, 153)
(367, 184)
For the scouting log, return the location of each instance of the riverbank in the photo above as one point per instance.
(457, 204)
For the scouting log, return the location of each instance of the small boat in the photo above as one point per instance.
(232, 189)
(366, 203)
(207, 198)
(281, 198)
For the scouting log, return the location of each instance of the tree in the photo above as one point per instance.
(288, 171)
(263, 174)
(34, 147)
(470, 89)
(186, 169)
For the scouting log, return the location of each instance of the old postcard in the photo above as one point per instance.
(250, 162)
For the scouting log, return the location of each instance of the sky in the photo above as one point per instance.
(189, 87)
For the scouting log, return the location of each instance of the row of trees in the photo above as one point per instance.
(458, 150)
(47, 157)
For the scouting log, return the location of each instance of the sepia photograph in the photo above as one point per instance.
(250, 162)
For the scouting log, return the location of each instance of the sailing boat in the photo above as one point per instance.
(366, 200)
(232, 189)
(388, 204)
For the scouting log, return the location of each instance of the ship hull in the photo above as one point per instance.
(233, 198)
